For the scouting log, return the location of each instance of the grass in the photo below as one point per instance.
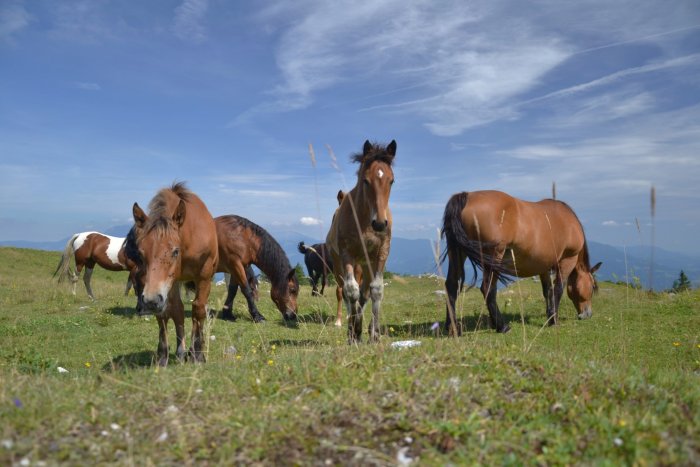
(621, 388)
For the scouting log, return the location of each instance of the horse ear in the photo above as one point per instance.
(140, 217)
(179, 216)
(596, 267)
(292, 274)
(340, 196)
(366, 148)
(391, 148)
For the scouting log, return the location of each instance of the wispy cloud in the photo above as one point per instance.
(13, 19)
(187, 24)
(86, 86)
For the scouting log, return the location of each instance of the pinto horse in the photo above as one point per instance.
(360, 236)
(89, 249)
(177, 242)
(318, 262)
(507, 237)
(241, 243)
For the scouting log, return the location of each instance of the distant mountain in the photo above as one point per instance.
(413, 257)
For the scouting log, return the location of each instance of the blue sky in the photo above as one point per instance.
(103, 102)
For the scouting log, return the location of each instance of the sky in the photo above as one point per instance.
(104, 102)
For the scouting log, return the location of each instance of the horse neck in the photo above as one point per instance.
(272, 262)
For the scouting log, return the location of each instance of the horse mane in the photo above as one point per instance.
(584, 256)
(131, 249)
(377, 152)
(159, 219)
(272, 259)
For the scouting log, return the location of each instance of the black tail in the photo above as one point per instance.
(456, 240)
(302, 248)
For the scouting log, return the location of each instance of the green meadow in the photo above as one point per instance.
(78, 384)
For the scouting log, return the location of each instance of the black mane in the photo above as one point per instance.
(376, 152)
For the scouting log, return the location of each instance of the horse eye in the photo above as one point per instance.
(366, 182)
(176, 252)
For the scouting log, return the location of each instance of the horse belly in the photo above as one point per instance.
(525, 263)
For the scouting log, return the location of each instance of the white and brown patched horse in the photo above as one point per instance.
(89, 249)
(360, 237)
(176, 242)
(508, 237)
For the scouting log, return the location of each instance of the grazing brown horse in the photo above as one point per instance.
(241, 243)
(318, 262)
(507, 237)
(89, 249)
(360, 236)
(177, 242)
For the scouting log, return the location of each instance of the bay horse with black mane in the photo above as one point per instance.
(89, 249)
(359, 238)
(507, 237)
(177, 242)
(241, 243)
(318, 262)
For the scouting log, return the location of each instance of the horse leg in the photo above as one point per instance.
(548, 292)
(323, 281)
(489, 289)
(376, 291)
(162, 352)
(86, 279)
(176, 310)
(128, 286)
(562, 273)
(313, 276)
(339, 309)
(227, 310)
(452, 286)
(74, 276)
(351, 295)
(252, 307)
(199, 318)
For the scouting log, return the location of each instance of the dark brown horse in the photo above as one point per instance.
(360, 236)
(241, 243)
(89, 249)
(318, 262)
(177, 242)
(507, 237)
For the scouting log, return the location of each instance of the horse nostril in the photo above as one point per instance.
(379, 226)
(160, 298)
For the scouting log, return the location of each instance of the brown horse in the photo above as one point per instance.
(241, 243)
(508, 237)
(176, 242)
(360, 236)
(89, 249)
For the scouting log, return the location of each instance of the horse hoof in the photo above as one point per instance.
(259, 319)
(338, 323)
(585, 315)
(504, 329)
(227, 315)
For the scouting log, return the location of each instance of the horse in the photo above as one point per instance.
(177, 242)
(507, 237)
(251, 279)
(318, 262)
(89, 249)
(241, 243)
(137, 271)
(359, 238)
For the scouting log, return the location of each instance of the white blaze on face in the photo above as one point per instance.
(380, 173)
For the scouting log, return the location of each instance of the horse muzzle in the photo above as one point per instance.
(290, 316)
(152, 306)
(586, 313)
(379, 226)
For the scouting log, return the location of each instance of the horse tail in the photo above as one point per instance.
(456, 239)
(302, 248)
(64, 265)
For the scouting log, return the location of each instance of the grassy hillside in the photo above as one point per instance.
(621, 388)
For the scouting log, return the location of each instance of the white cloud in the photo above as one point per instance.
(13, 18)
(610, 223)
(187, 24)
(310, 221)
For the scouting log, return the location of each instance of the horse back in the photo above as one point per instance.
(199, 244)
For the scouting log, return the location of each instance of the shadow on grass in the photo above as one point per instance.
(317, 317)
(124, 312)
(467, 323)
(295, 343)
(142, 359)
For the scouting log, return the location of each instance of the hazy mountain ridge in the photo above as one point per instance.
(413, 257)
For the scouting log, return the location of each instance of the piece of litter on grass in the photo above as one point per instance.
(199, 390)
(62, 370)
(172, 409)
(7, 443)
(231, 351)
(405, 344)
(84, 308)
(114, 427)
(440, 292)
(163, 437)
(617, 441)
(402, 457)
(212, 338)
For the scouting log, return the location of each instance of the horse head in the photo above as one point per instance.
(375, 180)
(158, 238)
(285, 296)
(580, 288)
